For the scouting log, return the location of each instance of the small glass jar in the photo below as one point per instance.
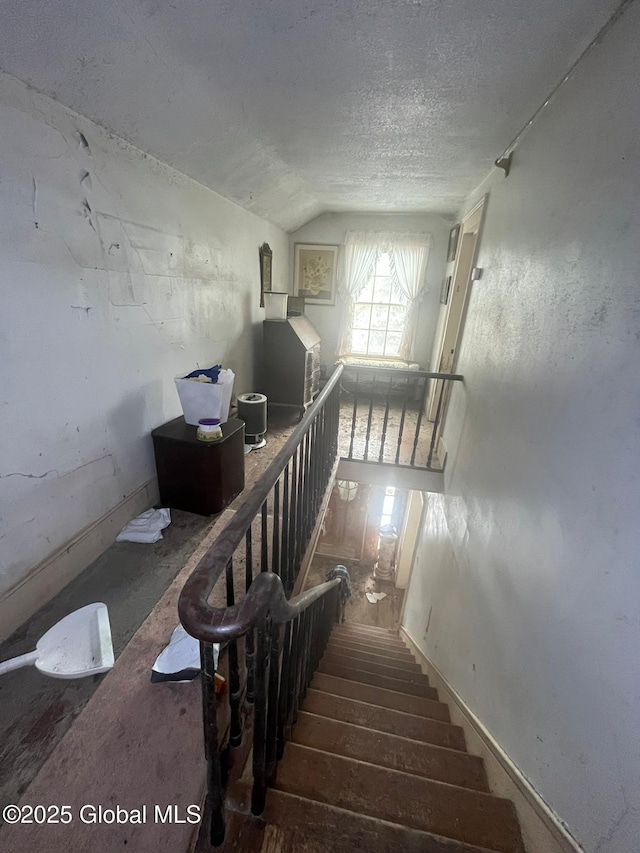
(209, 429)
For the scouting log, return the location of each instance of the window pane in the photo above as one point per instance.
(362, 316)
(397, 314)
(392, 347)
(366, 294)
(382, 290)
(359, 341)
(379, 316)
(387, 506)
(376, 343)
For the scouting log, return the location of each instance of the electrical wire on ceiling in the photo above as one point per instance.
(503, 161)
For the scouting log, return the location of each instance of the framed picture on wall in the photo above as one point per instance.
(453, 243)
(444, 290)
(314, 273)
(266, 260)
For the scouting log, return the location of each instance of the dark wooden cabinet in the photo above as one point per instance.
(199, 476)
(291, 362)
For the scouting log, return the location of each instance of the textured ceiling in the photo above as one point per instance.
(296, 107)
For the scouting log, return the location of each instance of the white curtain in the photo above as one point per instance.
(361, 252)
(409, 253)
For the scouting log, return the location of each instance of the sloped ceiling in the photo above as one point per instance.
(297, 107)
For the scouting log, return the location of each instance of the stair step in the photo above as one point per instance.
(367, 629)
(383, 719)
(453, 812)
(300, 825)
(363, 652)
(390, 750)
(374, 635)
(387, 668)
(383, 646)
(352, 673)
(381, 696)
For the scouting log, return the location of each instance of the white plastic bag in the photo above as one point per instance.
(204, 399)
(180, 660)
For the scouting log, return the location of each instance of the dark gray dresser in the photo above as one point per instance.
(291, 362)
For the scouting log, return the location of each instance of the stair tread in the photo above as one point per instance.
(361, 626)
(390, 750)
(365, 653)
(381, 696)
(387, 668)
(300, 825)
(424, 804)
(371, 645)
(379, 718)
(419, 687)
(366, 630)
(369, 637)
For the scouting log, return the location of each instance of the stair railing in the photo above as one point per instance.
(270, 646)
(388, 412)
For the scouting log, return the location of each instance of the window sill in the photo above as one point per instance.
(368, 361)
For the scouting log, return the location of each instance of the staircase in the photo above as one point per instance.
(374, 764)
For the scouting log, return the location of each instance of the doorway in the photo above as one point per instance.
(455, 314)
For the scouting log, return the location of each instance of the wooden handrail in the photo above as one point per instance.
(214, 624)
(416, 374)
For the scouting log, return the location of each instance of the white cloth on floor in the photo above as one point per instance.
(146, 528)
(373, 597)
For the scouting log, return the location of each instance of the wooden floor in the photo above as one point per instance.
(36, 711)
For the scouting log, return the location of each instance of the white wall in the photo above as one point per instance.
(530, 561)
(118, 273)
(330, 228)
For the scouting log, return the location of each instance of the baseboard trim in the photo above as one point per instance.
(542, 829)
(51, 575)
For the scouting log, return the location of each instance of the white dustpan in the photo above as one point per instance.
(78, 645)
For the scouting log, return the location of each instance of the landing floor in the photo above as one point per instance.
(36, 711)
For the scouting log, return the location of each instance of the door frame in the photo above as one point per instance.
(456, 312)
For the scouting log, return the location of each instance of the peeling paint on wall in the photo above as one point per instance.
(119, 275)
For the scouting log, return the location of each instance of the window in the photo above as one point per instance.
(380, 314)
(387, 506)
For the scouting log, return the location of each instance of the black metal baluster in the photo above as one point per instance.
(292, 687)
(275, 551)
(299, 512)
(353, 416)
(304, 503)
(285, 688)
(302, 687)
(308, 489)
(325, 443)
(434, 432)
(249, 647)
(272, 706)
(294, 529)
(315, 427)
(260, 722)
(419, 423)
(285, 530)
(402, 417)
(264, 543)
(370, 418)
(235, 691)
(385, 422)
(215, 794)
